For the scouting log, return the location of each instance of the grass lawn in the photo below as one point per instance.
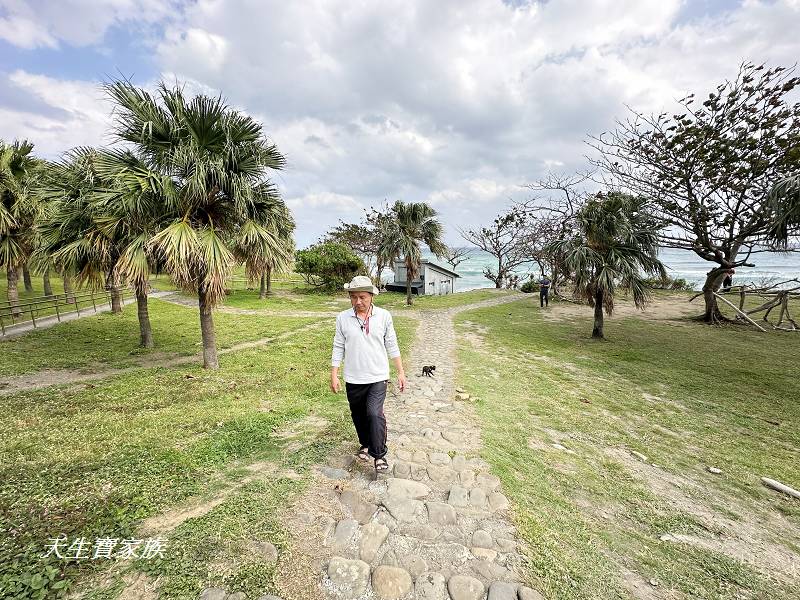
(397, 301)
(36, 282)
(294, 299)
(108, 340)
(561, 415)
(94, 461)
(305, 299)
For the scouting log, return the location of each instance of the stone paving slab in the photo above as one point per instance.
(436, 527)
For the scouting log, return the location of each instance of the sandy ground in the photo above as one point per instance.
(672, 307)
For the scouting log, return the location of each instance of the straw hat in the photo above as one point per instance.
(361, 283)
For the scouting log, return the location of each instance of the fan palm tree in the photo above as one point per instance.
(132, 211)
(615, 245)
(266, 247)
(75, 236)
(19, 209)
(206, 164)
(785, 201)
(410, 224)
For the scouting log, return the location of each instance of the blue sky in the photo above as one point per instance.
(459, 103)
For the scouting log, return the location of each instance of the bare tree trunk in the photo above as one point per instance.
(12, 276)
(378, 269)
(712, 284)
(597, 331)
(500, 275)
(69, 292)
(263, 291)
(207, 330)
(145, 330)
(48, 288)
(26, 278)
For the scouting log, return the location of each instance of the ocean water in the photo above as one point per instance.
(771, 267)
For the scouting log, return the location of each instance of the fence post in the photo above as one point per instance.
(33, 318)
(2, 325)
(55, 304)
(93, 302)
(77, 309)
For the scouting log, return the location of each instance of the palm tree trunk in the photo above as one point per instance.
(12, 276)
(409, 277)
(263, 293)
(48, 289)
(116, 300)
(26, 277)
(269, 280)
(116, 296)
(69, 292)
(597, 331)
(207, 330)
(145, 330)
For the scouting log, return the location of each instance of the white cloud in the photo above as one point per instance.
(38, 23)
(325, 200)
(456, 102)
(25, 33)
(197, 43)
(57, 114)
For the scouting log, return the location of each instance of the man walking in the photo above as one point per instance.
(544, 291)
(366, 339)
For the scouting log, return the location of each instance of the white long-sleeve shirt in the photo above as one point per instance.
(366, 357)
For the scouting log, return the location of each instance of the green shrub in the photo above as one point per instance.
(328, 265)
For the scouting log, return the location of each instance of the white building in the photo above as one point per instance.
(432, 280)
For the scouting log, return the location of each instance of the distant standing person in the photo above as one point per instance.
(544, 291)
(366, 339)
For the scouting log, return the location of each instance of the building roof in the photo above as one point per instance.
(425, 261)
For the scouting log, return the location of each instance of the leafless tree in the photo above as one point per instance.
(550, 216)
(506, 240)
(457, 255)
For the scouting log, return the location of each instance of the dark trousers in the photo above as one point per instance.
(544, 297)
(366, 407)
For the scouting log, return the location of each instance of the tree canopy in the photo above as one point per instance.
(614, 245)
(709, 168)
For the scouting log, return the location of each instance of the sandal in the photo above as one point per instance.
(381, 465)
(363, 454)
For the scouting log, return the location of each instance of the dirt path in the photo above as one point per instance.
(672, 307)
(50, 377)
(436, 527)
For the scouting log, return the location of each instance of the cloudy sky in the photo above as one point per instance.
(458, 103)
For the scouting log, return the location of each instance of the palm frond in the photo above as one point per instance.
(178, 246)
